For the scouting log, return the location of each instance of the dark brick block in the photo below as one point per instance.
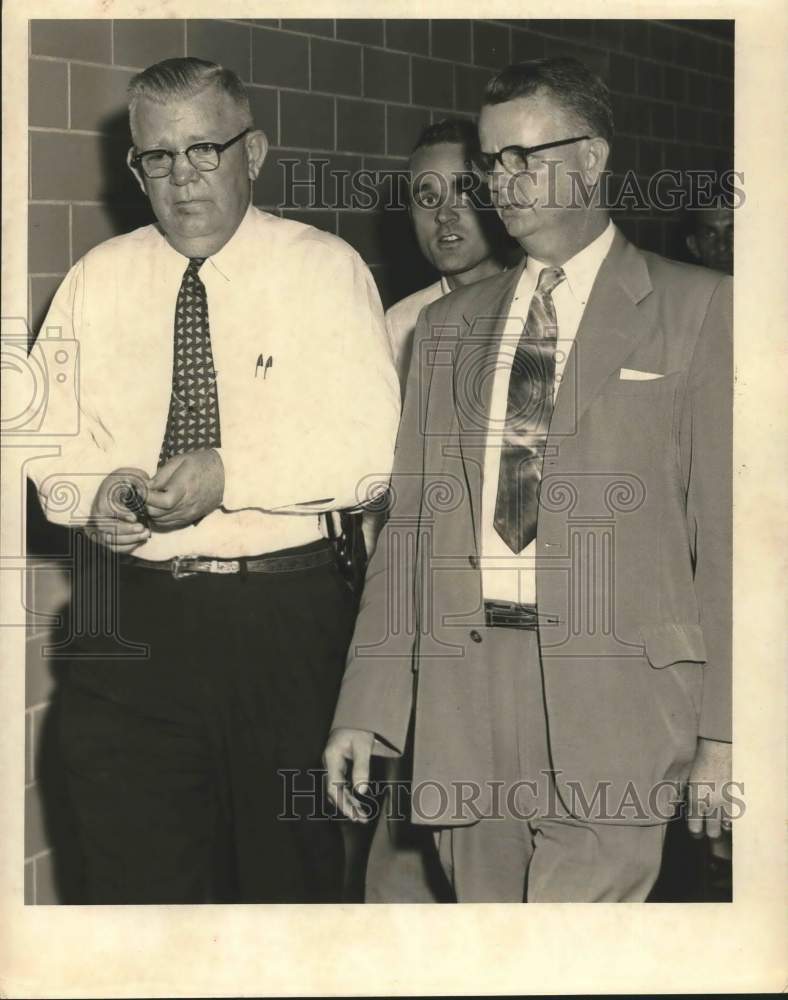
(433, 83)
(490, 44)
(636, 38)
(91, 225)
(707, 54)
(663, 121)
(725, 60)
(48, 93)
(263, 102)
(386, 75)
(403, 128)
(312, 26)
(98, 99)
(608, 33)
(649, 156)
(320, 219)
(649, 78)
(526, 45)
(727, 131)
(687, 124)
(650, 235)
(268, 189)
(624, 155)
(307, 120)
(662, 43)
(42, 291)
(48, 239)
(710, 128)
(361, 127)
(698, 89)
(364, 232)
(336, 67)
(686, 49)
(221, 42)
(407, 35)
(280, 59)
(450, 39)
(368, 32)
(578, 29)
(622, 74)
(469, 84)
(84, 179)
(90, 40)
(142, 42)
(675, 84)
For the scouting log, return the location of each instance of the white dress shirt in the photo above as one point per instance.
(507, 576)
(401, 319)
(308, 394)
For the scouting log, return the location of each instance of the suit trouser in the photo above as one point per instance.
(180, 765)
(533, 850)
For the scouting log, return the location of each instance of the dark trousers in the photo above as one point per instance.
(181, 765)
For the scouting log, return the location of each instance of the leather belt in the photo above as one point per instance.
(507, 614)
(183, 566)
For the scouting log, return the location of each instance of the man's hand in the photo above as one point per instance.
(346, 759)
(185, 489)
(709, 775)
(111, 522)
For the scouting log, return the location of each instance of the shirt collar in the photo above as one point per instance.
(580, 270)
(228, 259)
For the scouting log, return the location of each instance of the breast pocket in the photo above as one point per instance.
(645, 389)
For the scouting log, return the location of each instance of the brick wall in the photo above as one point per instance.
(355, 93)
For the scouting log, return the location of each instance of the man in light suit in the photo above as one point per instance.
(569, 673)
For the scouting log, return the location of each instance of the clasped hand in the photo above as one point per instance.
(184, 489)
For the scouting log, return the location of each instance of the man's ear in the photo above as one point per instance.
(692, 246)
(597, 154)
(256, 152)
(138, 176)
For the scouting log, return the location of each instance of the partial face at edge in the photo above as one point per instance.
(198, 211)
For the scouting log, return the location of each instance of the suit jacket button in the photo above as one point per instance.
(475, 635)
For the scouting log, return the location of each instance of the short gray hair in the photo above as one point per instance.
(182, 78)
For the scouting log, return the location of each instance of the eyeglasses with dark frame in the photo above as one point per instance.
(203, 156)
(514, 159)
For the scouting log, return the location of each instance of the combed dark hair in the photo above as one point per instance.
(572, 84)
(183, 78)
(457, 130)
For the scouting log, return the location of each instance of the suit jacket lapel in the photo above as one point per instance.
(610, 329)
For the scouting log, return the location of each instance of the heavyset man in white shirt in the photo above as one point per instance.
(178, 761)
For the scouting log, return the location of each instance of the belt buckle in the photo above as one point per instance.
(178, 573)
(225, 566)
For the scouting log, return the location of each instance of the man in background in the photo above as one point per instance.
(456, 230)
(710, 236)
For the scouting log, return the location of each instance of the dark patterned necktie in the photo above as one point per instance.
(529, 406)
(193, 420)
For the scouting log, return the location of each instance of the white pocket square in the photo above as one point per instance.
(635, 375)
